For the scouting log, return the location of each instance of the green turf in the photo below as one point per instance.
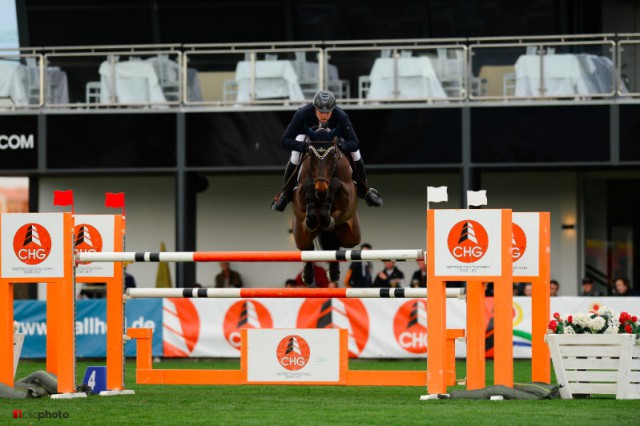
(309, 405)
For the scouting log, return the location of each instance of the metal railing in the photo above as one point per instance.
(365, 72)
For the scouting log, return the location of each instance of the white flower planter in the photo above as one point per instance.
(596, 364)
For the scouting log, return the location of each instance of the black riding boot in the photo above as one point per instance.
(280, 202)
(370, 195)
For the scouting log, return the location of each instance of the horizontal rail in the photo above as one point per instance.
(309, 293)
(252, 256)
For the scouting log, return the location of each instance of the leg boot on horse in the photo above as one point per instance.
(370, 195)
(281, 200)
(308, 275)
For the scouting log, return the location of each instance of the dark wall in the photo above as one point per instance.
(81, 22)
(394, 139)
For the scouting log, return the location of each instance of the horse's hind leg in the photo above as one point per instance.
(334, 271)
(308, 274)
(329, 241)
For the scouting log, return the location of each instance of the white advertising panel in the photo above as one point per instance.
(293, 355)
(95, 233)
(376, 328)
(468, 243)
(526, 244)
(32, 245)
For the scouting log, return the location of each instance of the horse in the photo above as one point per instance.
(325, 204)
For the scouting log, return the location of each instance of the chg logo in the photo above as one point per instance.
(181, 325)
(32, 243)
(349, 314)
(518, 242)
(410, 326)
(88, 240)
(293, 352)
(468, 241)
(244, 314)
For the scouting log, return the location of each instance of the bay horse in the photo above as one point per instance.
(325, 204)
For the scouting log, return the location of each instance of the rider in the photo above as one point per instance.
(322, 114)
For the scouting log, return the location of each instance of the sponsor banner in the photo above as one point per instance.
(468, 243)
(90, 326)
(95, 233)
(525, 236)
(144, 313)
(32, 245)
(376, 328)
(293, 355)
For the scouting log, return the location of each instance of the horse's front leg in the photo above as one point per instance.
(326, 220)
(311, 221)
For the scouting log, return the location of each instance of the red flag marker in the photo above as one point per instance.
(114, 200)
(63, 198)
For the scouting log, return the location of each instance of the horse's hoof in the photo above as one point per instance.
(310, 225)
(330, 226)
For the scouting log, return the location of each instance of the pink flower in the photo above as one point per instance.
(556, 316)
(553, 325)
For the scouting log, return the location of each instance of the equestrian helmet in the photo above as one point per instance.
(324, 101)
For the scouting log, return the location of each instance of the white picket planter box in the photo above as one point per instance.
(596, 364)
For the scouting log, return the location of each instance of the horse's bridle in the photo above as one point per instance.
(321, 156)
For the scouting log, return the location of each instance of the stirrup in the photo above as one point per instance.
(373, 198)
(279, 203)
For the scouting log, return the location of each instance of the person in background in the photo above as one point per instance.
(129, 280)
(228, 278)
(419, 277)
(390, 276)
(360, 273)
(588, 289)
(93, 291)
(332, 284)
(488, 289)
(621, 287)
(554, 286)
(518, 289)
(526, 289)
(290, 283)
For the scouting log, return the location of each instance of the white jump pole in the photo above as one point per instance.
(253, 256)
